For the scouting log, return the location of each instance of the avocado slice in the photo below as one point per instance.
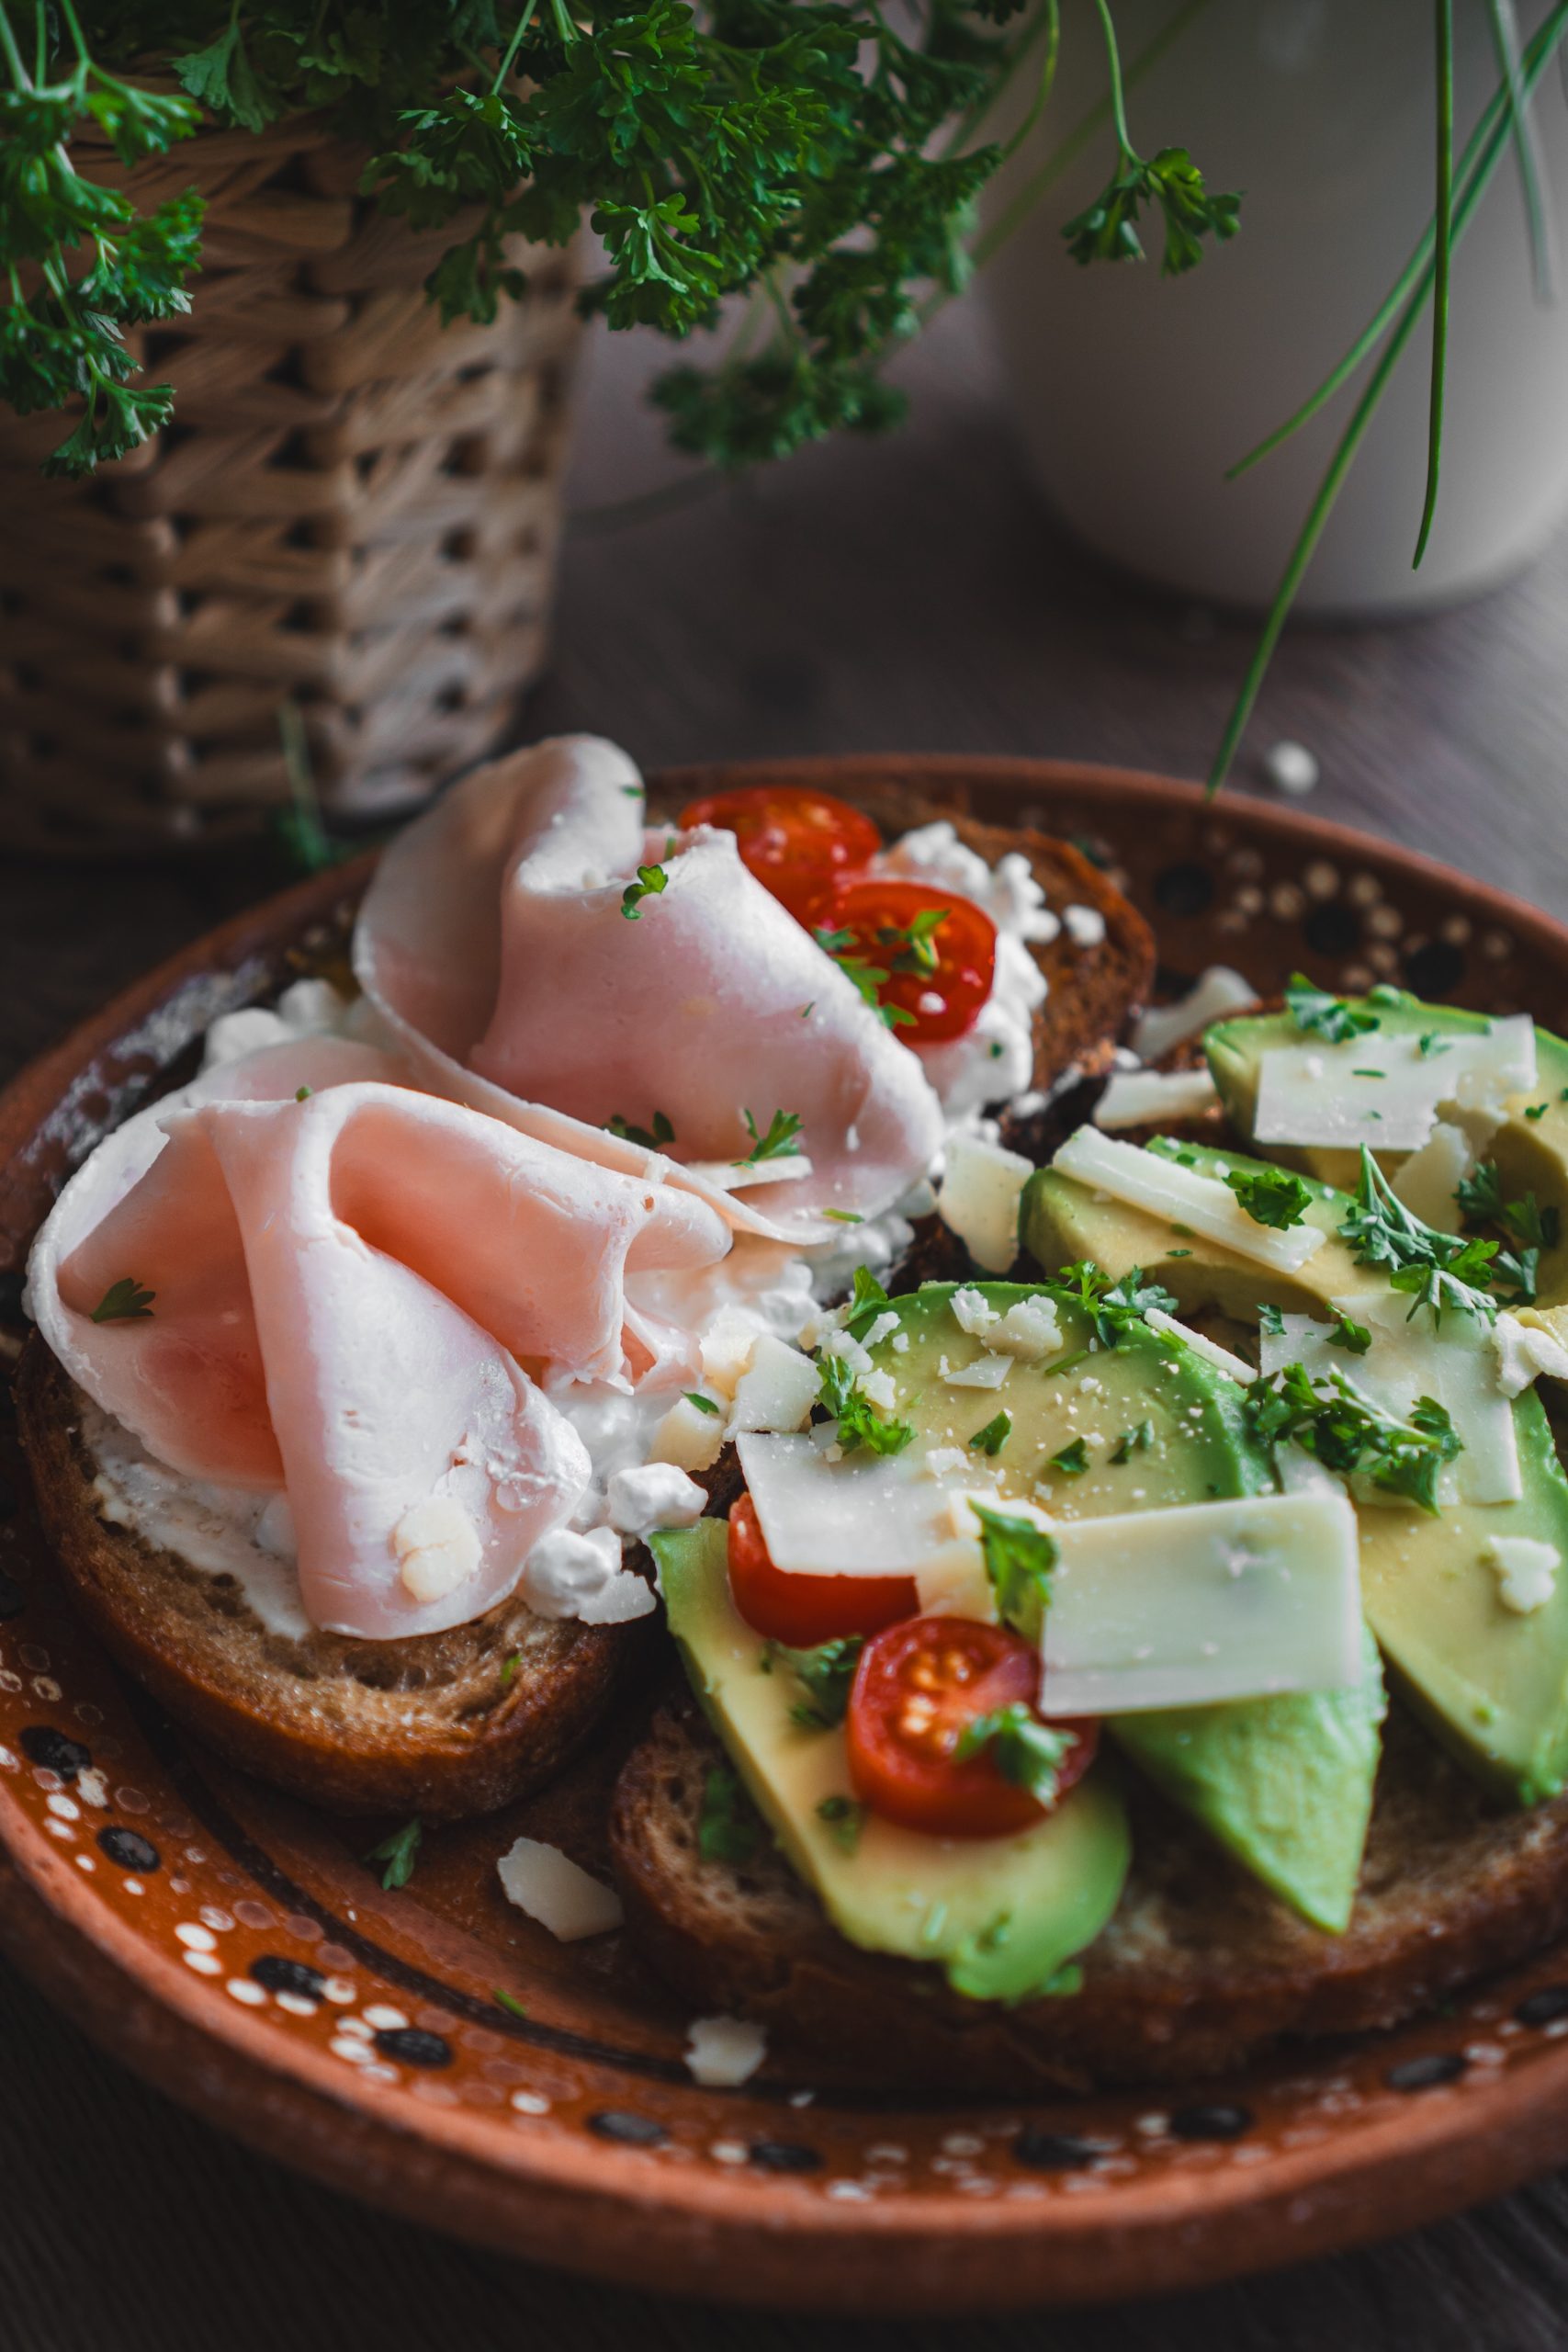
(1002, 1916)
(1491, 1684)
(1285, 1783)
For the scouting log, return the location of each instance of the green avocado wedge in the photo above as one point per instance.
(1491, 1684)
(1284, 1783)
(1002, 1916)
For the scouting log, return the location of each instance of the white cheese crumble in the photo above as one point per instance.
(1086, 926)
(973, 1311)
(688, 1437)
(1527, 1571)
(579, 1574)
(437, 1547)
(723, 2053)
(1524, 1352)
(653, 1495)
(554, 1890)
(1030, 1330)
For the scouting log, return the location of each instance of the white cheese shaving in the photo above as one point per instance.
(740, 1176)
(1527, 1571)
(883, 1328)
(1427, 1181)
(1234, 1367)
(1321, 1095)
(723, 2053)
(986, 1372)
(1202, 1603)
(867, 1514)
(1182, 1196)
(1219, 990)
(551, 1888)
(1152, 1098)
(1524, 1350)
(978, 1199)
(688, 1437)
(777, 1389)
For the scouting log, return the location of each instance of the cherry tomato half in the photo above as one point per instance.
(939, 972)
(917, 1685)
(802, 1611)
(798, 842)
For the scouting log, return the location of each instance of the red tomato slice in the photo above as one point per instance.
(917, 1685)
(802, 1611)
(798, 842)
(938, 975)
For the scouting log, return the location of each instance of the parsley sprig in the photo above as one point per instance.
(1333, 1017)
(1024, 1750)
(859, 1421)
(398, 1853)
(727, 1827)
(869, 978)
(653, 1138)
(1330, 1419)
(1438, 1270)
(1111, 1306)
(1018, 1558)
(125, 1302)
(779, 1141)
(651, 881)
(824, 1674)
(1108, 228)
(1271, 1196)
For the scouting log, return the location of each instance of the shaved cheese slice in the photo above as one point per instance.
(1526, 1347)
(867, 1515)
(743, 1175)
(777, 1389)
(978, 1197)
(1218, 991)
(1210, 1601)
(1149, 1098)
(1234, 1367)
(1383, 1091)
(551, 1887)
(986, 1372)
(1428, 1180)
(1182, 1196)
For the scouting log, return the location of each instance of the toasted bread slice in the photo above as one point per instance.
(441, 1725)
(1200, 1970)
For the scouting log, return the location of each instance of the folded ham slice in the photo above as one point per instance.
(495, 943)
(361, 1297)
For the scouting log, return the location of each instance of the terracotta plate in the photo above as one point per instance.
(236, 1950)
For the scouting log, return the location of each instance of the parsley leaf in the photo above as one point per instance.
(124, 1302)
(653, 1138)
(650, 881)
(507, 2001)
(1349, 1334)
(1137, 1440)
(867, 1293)
(1440, 1270)
(509, 1667)
(1333, 1017)
(912, 946)
(1024, 1750)
(1271, 1196)
(825, 1675)
(994, 1436)
(1479, 1195)
(779, 1143)
(845, 1818)
(859, 1422)
(1071, 1461)
(398, 1852)
(1019, 1558)
(703, 1404)
(1347, 1432)
(727, 1828)
(1271, 1320)
(869, 978)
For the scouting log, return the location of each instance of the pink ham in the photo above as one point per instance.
(362, 1297)
(494, 943)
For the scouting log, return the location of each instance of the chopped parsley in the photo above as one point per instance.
(1349, 1334)
(869, 978)
(859, 1422)
(845, 1819)
(1024, 1750)
(703, 1404)
(1439, 1269)
(301, 1094)
(912, 946)
(1071, 1461)
(1019, 1558)
(1348, 1433)
(1537, 1110)
(1431, 1044)
(650, 881)
(651, 1138)
(824, 1674)
(779, 1143)
(843, 1217)
(508, 2001)
(1534, 1228)
(509, 1667)
(1479, 1195)
(398, 1852)
(728, 1829)
(1333, 1017)
(1137, 1440)
(994, 1436)
(1271, 1318)
(1086, 1289)
(867, 1293)
(1271, 1196)
(125, 1302)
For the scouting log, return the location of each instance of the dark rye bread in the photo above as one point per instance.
(434, 1725)
(1200, 1970)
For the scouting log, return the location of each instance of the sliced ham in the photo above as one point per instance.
(362, 1298)
(494, 944)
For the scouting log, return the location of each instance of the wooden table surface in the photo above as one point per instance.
(908, 595)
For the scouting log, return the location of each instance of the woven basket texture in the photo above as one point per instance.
(354, 508)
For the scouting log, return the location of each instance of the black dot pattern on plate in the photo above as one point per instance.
(412, 2046)
(1052, 2151)
(636, 2131)
(784, 2156)
(129, 1848)
(1332, 930)
(280, 1974)
(42, 1744)
(1427, 2074)
(1210, 2123)
(1545, 2006)
(1184, 890)
(1436, 968)
(13, 1600)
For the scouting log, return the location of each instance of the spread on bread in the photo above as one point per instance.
(596, 1222)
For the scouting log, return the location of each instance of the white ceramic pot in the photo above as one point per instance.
(1133, 393)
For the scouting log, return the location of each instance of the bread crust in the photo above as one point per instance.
(434, 1725)
(1199, 1972)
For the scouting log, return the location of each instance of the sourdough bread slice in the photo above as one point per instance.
(442, 1725)
(1198, 1972)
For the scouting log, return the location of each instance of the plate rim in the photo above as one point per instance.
(742, 2236)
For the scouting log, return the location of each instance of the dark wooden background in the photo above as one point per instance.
(911, 596)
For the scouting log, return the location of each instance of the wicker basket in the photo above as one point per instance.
(354, 508)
